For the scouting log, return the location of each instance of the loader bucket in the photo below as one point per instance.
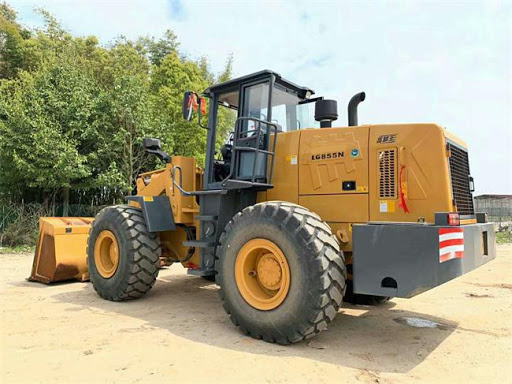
(61, 249)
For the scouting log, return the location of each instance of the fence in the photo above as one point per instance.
(499, 210)
(19, 222)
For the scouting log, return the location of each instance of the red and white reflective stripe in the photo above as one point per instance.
(451, 244)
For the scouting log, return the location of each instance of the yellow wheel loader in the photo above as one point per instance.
(290, 219)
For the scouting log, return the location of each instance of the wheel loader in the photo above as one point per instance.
(291, 216)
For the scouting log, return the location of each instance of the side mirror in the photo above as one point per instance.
(192, 102)
(154, 144)
(188, 104)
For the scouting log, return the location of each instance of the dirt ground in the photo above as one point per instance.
(180, 333)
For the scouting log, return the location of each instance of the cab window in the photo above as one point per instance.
(288, 113)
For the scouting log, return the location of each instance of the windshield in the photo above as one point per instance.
(287, 113)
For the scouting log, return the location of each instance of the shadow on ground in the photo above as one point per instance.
(369, 338)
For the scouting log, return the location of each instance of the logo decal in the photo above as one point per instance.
(386, 139)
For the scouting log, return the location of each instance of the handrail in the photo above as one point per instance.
(187, 193)
(237, 138)
(255, 119)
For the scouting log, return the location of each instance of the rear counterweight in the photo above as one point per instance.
(403, 260)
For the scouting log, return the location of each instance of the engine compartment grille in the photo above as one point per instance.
(459, 173)
(387, 172)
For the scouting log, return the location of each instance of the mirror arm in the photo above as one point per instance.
(160, 154)
(199, 114)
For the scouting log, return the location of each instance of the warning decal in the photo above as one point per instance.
(451, 244)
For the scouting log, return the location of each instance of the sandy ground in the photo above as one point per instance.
(179, 333)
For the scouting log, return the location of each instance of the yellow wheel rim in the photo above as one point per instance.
(106, 254)
(262, 274)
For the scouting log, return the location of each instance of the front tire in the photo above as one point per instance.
(123, 256)
(281, 272)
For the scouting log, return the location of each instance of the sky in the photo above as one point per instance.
(448, 62)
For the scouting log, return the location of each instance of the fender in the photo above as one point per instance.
(157, 212)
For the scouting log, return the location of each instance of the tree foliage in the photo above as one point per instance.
(73, 112)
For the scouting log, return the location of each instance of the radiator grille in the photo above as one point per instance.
(459, 173)
(387, 173)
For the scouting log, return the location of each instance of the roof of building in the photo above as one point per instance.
(493, 197)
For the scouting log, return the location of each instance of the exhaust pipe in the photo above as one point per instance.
(352, 107)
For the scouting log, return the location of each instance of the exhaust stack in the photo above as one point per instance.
(352, 108)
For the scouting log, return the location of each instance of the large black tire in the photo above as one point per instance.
(139, 253)
(316, 264)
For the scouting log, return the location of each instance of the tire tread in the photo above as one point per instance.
(146, 249)
(329, 258)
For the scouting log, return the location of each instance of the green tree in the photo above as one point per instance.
(128, 117)
(46, 110)
(73, 113)
(15, 44)
(157, 50)
(170, 80)
(38, 143)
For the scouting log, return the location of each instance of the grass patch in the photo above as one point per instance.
(17, 249)
(504, 237)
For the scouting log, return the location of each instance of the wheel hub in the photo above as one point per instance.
(269, 272)
(106, 254)
(262, 274)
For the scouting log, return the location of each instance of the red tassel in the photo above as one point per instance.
(402, 204)
(203, 105)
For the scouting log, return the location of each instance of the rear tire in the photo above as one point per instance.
(138, 254)
(315, 267)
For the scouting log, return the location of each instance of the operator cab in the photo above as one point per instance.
(243, 115)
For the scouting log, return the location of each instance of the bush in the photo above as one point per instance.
(19, 223)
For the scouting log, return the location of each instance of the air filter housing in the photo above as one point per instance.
(326, 111)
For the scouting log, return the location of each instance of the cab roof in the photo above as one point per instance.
(233, 84)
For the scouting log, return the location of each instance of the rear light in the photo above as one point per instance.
(481, 217)
(453, 219)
